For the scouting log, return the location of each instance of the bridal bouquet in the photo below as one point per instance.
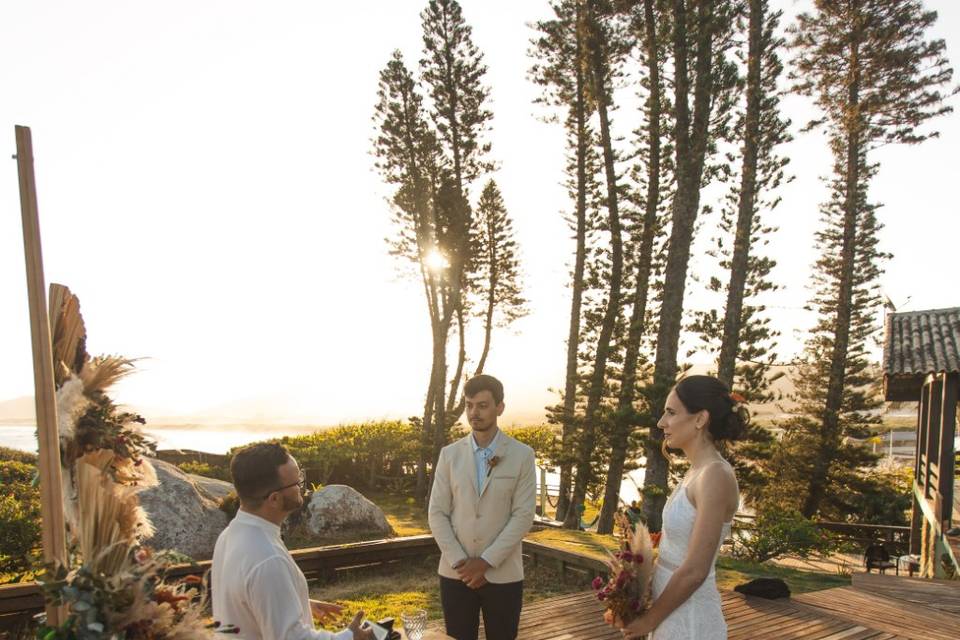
(627, 592)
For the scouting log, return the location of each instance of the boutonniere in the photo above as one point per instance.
(491, 463)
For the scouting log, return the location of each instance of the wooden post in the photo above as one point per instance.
(543, 492)
(51, 498)
(948, 429)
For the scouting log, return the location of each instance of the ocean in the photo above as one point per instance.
(24, 437)
(221, 440)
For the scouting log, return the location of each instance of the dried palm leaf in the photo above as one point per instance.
(110, 518)
(68, 333)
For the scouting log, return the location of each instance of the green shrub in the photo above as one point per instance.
(6, 453)
(780, 532)
(358, 454)
(19, 520)
(230, 504)
(543, 439)
(205, 469)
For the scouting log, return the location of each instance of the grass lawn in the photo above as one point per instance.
(415, 585)
(731, 572)
(589, 544)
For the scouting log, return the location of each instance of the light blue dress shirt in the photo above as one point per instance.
(481, 458)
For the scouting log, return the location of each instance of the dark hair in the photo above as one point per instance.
(254, 470)
(728, 419)
(484, 382)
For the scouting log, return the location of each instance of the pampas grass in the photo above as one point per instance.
(103, 372)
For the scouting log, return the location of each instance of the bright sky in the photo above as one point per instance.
(206, 188)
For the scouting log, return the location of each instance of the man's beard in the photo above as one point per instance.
(291, 504)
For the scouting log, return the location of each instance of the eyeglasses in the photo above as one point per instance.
(301, 479)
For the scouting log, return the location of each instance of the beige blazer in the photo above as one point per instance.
(487, 521)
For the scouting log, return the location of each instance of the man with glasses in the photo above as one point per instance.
(257, 587)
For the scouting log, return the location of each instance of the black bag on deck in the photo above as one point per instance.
(769, 588)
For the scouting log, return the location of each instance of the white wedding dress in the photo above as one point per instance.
(701, 616)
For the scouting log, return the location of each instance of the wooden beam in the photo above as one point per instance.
(923, 409)
(51, 498)
(948, 430)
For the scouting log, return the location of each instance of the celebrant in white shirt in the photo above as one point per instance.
(257, 587)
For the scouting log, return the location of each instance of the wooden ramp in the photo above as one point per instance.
(834, 614)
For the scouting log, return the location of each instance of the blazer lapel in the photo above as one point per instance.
(471, 463)
(498, 452)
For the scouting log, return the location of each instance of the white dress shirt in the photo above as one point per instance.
(258, 588)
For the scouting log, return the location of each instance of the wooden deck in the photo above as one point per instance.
(943, 595)
(848, 613)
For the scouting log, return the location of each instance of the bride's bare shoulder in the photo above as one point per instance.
(718, 479)
(720, 472)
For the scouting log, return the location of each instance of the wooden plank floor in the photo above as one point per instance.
(578, 617)
(943, 595)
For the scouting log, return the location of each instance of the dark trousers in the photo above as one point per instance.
(500, 604)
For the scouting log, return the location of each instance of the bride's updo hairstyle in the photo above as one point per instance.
(728, 417)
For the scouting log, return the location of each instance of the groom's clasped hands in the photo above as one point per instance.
(472, 572)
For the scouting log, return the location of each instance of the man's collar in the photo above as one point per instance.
(476, 447)
(245, 517)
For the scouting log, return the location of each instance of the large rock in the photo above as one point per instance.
(185, 512)
(338, 509)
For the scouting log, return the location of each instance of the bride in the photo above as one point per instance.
(700, 413)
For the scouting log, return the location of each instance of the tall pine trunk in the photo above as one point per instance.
(573, 335)
(587, 440)
(841, 338)
(625, 410)
(733, 316)
(691, 147)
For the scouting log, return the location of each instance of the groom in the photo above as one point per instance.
(481, 505)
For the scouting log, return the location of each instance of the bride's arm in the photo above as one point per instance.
(712, 496)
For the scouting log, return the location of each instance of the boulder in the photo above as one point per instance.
(185, 512)
(338, 509)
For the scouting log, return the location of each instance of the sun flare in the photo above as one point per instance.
(436, 261)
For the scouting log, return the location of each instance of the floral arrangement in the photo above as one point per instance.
(627, 592)
(115, 588)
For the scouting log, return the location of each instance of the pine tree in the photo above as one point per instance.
(741, 337)
(559, 68)
(654, 158)
(604, 52)
(806, 446)
(877, 81)
(433, 151)
(497, 266)
(701, 30)
(762, 171)
(452, 70)
(408, 157)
